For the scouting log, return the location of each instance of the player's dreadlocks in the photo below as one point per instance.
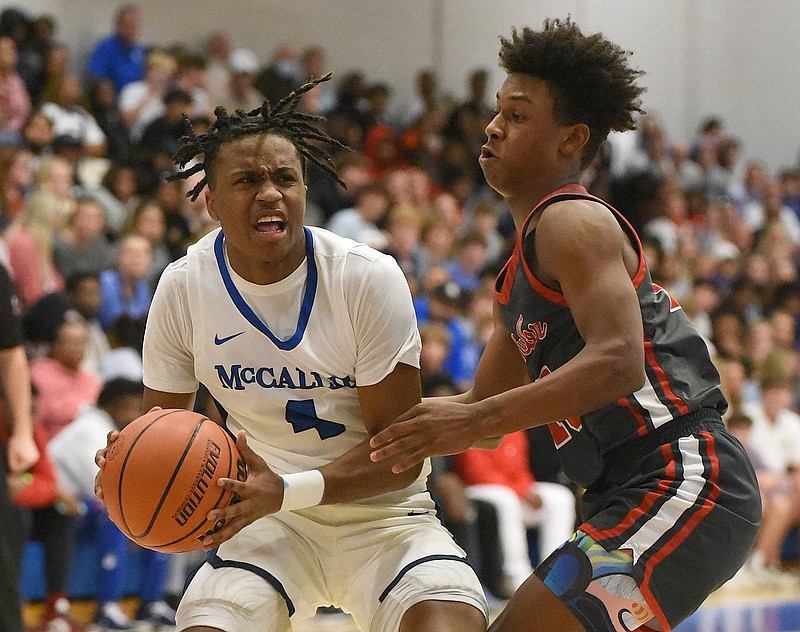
(588, 76)
(283, 119)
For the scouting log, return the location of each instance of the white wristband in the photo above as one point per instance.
(302, 489)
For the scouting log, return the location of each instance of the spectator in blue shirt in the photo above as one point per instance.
(124, 288)
(120, 57)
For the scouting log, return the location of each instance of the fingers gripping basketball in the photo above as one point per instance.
(160, 478)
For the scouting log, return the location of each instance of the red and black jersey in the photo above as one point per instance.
(681, 377)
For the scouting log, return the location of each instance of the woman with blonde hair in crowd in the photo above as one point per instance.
(56, 175)
(82, 246)
(29, 239)
(438, 239)
(403, 230)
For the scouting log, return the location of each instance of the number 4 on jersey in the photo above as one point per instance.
(561, 430)
(302, 414)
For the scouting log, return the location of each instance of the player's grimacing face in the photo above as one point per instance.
(258, 195)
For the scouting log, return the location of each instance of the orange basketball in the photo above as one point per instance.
(160, 478)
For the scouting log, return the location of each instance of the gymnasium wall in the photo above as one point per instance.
(734, 58)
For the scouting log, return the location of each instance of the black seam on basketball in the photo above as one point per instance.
(124, 463)
(202, 524)
(190, 533)
(171, 479)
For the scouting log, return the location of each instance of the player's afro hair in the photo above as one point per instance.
(299, 128)
(588, 76)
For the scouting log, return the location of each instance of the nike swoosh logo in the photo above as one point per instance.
(424, 512)
(222, 341)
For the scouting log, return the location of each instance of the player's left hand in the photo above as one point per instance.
(260, 495)
(432, 428)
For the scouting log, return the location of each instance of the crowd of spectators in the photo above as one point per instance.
(89, 221)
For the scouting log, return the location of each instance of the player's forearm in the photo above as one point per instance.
(591, 380)
(353, 476)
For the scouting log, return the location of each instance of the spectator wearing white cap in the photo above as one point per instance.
(244, 65)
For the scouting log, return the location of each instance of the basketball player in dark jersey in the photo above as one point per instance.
(585, 343)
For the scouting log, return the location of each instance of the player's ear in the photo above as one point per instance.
(210, 205)
(575, 138)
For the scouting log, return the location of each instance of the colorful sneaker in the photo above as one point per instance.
(111, 617)
(157, 613)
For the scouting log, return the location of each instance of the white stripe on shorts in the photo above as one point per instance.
(672, 510)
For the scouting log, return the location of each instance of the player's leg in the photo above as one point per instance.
(152, 606)
(114, 549)
(10, 557)
(402, 571)
(534, 607)
(581, 586)
(233, 600)
(266, 574)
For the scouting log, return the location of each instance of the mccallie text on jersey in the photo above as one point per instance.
(237, 377)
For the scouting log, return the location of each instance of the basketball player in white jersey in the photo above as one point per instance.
(308, 343)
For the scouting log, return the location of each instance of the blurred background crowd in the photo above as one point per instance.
(89, 221)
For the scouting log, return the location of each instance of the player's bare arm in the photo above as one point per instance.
(581, 251)
(350, 477)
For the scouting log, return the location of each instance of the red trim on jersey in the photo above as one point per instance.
(639, 276)
(517, 256)
(510, 269)
(661, 376)
(624, 402)
(553, 295)
(675, 541)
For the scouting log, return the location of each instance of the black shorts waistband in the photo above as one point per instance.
(695, 421)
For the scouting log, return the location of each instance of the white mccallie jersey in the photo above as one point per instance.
(283, 360)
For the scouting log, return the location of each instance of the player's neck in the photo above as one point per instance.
(522, 205)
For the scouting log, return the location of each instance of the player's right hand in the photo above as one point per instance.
(259, 495)
(100, 458)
